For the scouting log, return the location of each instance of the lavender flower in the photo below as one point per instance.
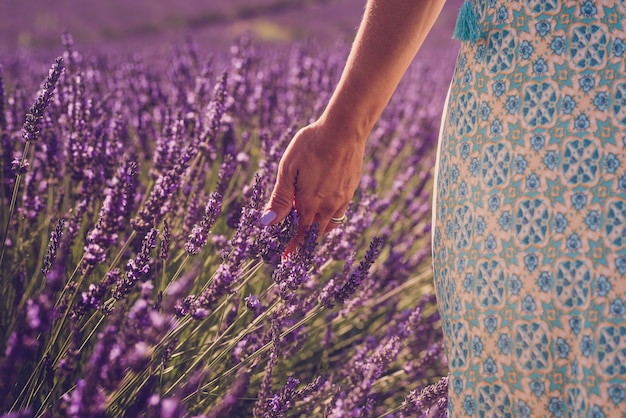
(194, 212)
(280, 402)
(261, 405)
(22, 343)
(137, 268)
(71, 57)
(53, 245)
(213, 119)
(366, 369)
(168, 146)
(199, 234)
(115, 208)
(93, 298)
(294, 268)
(30, 130)
(272, 241)
(240, 244)
(225, 174)
(158, 204)
(421, 401)
(360, 273)
(253, 304)
(166, 240)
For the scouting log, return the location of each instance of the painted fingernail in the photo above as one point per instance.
(268, 217)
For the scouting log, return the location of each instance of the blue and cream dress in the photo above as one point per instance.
(530, 215)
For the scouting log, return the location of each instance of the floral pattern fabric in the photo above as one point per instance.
(529, 242)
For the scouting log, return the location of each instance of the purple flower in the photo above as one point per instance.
(158, 203)
(280, 402)
(93, 298)
(261, 405)
(165, 241)
(216, 110)
(294, 268)
(199, 234)
(253, 304)
(115, 208)
(168, 146)
(419, 402)
(138, 267)
(272, 240)
(360, 273)
(53, 245)
(30, 130)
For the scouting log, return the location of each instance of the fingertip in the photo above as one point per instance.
(268, 217)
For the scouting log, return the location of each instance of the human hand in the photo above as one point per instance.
(318, 175)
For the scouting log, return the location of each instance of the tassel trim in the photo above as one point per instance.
(466, 28)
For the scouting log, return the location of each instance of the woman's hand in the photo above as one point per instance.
(318, 175)
(321, 167)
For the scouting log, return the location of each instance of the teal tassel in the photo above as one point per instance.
(466, 28)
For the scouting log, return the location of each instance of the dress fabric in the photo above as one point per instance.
(529, 244)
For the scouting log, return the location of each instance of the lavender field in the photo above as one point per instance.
(135, 276)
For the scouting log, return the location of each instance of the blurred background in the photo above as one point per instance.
(153, 26)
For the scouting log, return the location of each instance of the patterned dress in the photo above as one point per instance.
(529, 242)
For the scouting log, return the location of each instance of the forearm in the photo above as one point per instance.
(390, 34)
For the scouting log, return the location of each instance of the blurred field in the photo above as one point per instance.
(153, 26)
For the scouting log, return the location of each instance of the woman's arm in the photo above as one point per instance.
(321, 167)
(389, 36)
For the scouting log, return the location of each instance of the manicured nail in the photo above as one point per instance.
(268, 217)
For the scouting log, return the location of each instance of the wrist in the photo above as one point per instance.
(346, 127)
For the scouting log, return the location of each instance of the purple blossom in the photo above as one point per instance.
(115, 208)
(138, 267)
(19, 166)
(79, 404)
(23, 343)
(213, 117)
(294, 267)
(159, 201)
(193, 212)
(359, 274)
(165, 241)
(53, 246)
(168, 146)
(421, 401)
(216, 109)
(272, 241)
(253, 304)
(93, 298)
(280, 402)
(225, 173)
(30, 130)
(261, 407)
(169, 407)
(199, 234)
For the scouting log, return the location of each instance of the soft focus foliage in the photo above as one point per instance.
(136, 278)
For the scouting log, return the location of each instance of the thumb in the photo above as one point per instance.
(280, 203)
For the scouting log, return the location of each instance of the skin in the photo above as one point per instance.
(321, 167)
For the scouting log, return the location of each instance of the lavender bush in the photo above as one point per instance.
(136, 279)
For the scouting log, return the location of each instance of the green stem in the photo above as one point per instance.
(313, 313)
(16, 188)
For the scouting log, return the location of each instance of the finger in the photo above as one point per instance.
(306, 217)
(337, 220)
(281, 200)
